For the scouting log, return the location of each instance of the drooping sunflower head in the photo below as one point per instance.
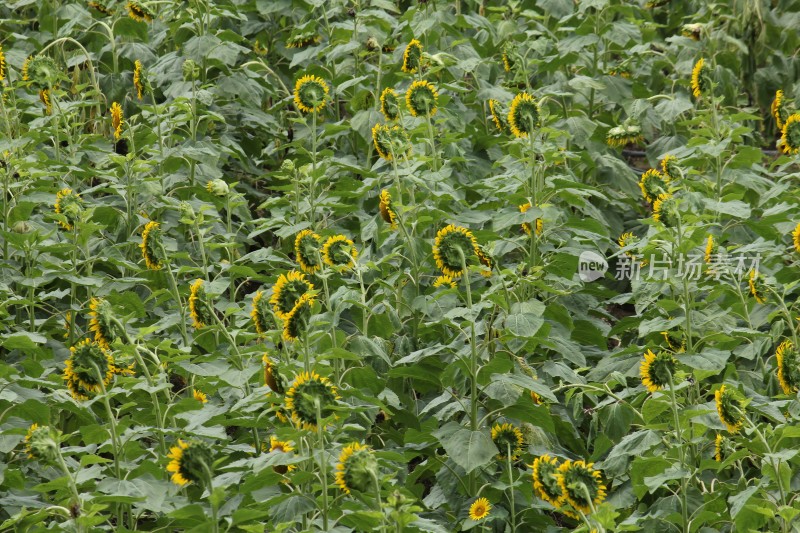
(622, 70)
(272, 375)
(260, 313)
(700, 78)
(452, 249)
(445, 281)
(307, 247)
(390, 104)
(117, 120)
(412, 57)
(758, 287)
(479, 509)
(787, 359)
(70, 206)
(790, 135)
(101, 321)
(287, 292)
(676, 343)
(508, 439)
(538, 223)
(200, 305)
(421, 99)
(297, 320)
(582, 485)
(796, 238)
(387, 210)
(304, 36)
(139, 12)
(190, 462)
(657, 370)
(778, 109)
(310, 94)
(692, 31)
(138, 76)
(307, 391)
(356, 469)
(719, 447)
(281, 446)
(508, 56)
(339, 252)
(499, 115)
(391, 141)
(42, 71)
(545, 480)
(41, 444)
(670, 167)
(151, 245)
(524, 116)
(621, 136)
(665, 210)
(730, 408)
(88, 369)
(100, 8)
(200, 396)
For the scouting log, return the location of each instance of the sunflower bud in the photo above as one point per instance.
(21, 226)
(188, 215)
(218, 187)
(191, 71)
(287, 166)
(372, 44)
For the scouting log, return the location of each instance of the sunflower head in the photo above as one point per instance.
(758, 287)
(391, 141)
(70, 206)
(100, 8)
(676, 343)
(101, 322)
(582, 485)
(281, 446)
(508, 56)
(452, 249)
(41, 71)
(499, 115)
(260, 313)
(526, 227)
(310, 94)
(190, 462)
(710, 250)
(628, 239)
(117, 120)
(545, 480)
(357, 468)
(796, 238)
(2, 65)
(790, 135)
(524, 116)
(421, 99)
(138, 79)
(479, 509)
(200, 305)
(339, 253)
(139, 12)
(287, 291)
(508, 439)
(486, 259)
(778, 109)
(200, 396)
(307, 247)
(151, 245)
(620, 136)
(692, 31)
(88, 369)
(670, 167)
(665, 210)
(700, 78)
(657, 369)
(445, 281)
(719, 447)
(41, 443)
(387, 210)
(730, 408)
(623, 71)
(308, 392)
(788, 362)
(304, 36)
(272, 375)
(297, 320)
(44, 97)
(390, 104)
(412, 57)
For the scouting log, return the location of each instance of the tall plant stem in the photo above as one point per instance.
(681, 455)
(176, 295)
(323, 463)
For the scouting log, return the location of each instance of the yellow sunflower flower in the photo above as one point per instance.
(88, 370)
(790, 135)
(656, 370)
(421, 99)
(137, 79)
(310, 94)
(307, 246)
(445, 281)
(538, 222)
(412, 57)
(387, 211)
(545, 480)
(117, 120)
(479, 509)
(757, 287)
(44, 97)
(796, 238)
(357, 469)
(576, 479)
(653, 184)
(499, 115)
(778, 110)
(730, 408)
(308, 390)
(719, 443)
(282, 446)
(710, 250)
(621, 136)
(700, 82)
(151, 245)
(70, 205)
(452, 242)
(296, 321)
(788, 363)
(524, 115)
(390, 104)
(339, 252)
(2, 64)
(507, 437)
(199, 306)
(287, 291)
(139, 12)
(101, 322)
(200, 396)
(190, 462)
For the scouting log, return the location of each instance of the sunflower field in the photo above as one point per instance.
(400, 266)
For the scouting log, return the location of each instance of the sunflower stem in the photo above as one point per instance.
(473, 370)
(312, 181)
(73, 488)
(379, 501)
(112, 420)
(323, 463)
(175, 294)
(681, 454)
(775, 463)
(512, 510)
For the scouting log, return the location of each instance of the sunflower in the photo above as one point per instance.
(287, 291)
(692, 31)
(88, 370)
(796, 238)
(390, 104)
(523, 115)
(670, 168)
(137, 79)
(526, 227)
(675, 343)
(116, 119)
(391, 141)
(2, 64)
(303, 37)
(788, 361)
(623, 71)
(310, 93)
(100, 8)
(199, 306)
(41, 71)
(445, 281)
(44, 97)
(757, 287)
(499, 115)
(620, 136)
(507, 437)
(412, 57)
(272, 375)
(282, 446)
(453, 247)
(339, 252)
(719, 444)
(509, 50)
(778, 109)
(260, 313)
(628, 239)
(40, 443)
(151, 245)
(70, 205)
(308, 390)
(191, 462)
(357, 468)
(700, 83)
(296, 321)
(139, 12)
(545, 480)
(479, 509)
(730, 408)
(579, 480)
(485, 259)
(101, 322)
(421, 99)
(200, 396)
(665, 210)
(657, 369)
(387, 211)
(710, 250)
(790, 135)
(307, 246)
